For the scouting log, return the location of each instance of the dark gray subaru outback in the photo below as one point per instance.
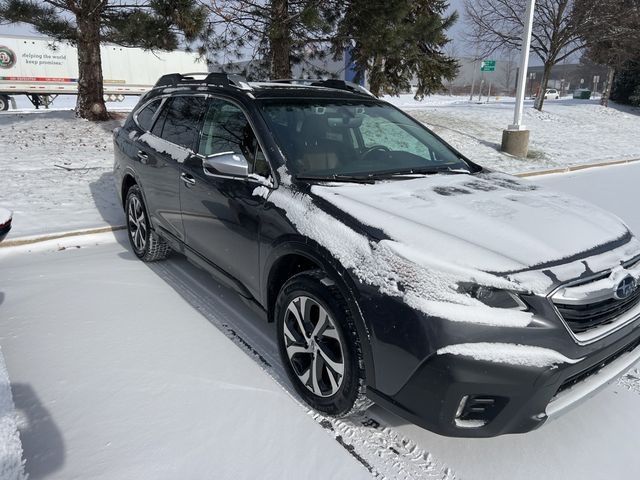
(395, 269)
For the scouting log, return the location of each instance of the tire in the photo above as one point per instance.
(4, 103)
(146, 244)
(335, 348)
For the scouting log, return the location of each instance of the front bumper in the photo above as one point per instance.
(528, 396)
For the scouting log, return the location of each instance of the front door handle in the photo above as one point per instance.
(143, 157)
(187, 179)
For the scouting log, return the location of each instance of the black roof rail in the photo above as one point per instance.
(327, 83)
(210, 78)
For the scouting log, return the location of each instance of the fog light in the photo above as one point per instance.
(475, 411)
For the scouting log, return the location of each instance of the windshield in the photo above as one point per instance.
(340, 138)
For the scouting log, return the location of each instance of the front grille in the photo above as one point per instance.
(582, 318)
(584, 374)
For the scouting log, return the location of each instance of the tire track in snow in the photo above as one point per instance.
(631, 380)
(381, 450)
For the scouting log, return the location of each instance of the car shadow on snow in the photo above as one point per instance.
(42, 442)
(223, 308)
(105, 198)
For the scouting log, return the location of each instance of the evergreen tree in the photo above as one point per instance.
(395, 42)
(278, 33)
(154, 24)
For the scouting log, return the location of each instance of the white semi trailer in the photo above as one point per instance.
(42, 69)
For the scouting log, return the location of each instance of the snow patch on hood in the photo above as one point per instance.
(512, 354)
(489, 221)
(177, 153)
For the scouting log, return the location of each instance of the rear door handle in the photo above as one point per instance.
(187, 179)
(143, 157)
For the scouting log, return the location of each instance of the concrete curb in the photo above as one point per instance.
(54, 236)
(575, 168)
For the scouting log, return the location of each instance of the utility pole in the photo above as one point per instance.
(515, 139)
(473, 78)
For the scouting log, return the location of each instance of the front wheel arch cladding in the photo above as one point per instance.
(343, 281)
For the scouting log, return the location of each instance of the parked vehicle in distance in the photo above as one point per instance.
(550, 93)
(5, 222)
(43, 68)
(582, 94)
(396, 270)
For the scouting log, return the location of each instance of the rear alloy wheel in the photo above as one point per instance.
(319, 346)
(146, 244)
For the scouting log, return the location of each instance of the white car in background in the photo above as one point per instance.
(551, 93)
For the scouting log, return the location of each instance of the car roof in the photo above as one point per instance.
(236, 86)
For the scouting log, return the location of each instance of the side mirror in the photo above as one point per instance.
(226, 163)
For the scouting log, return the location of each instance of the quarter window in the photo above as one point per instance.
(145, 116)
(179, 121)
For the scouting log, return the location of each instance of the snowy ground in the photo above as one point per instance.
(56, 169)
(567, 131)
(121, 369)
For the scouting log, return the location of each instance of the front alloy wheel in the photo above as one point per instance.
(319, 346)
(313, 346)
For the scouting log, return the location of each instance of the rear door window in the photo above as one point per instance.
(181, 120)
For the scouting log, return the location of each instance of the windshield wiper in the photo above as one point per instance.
(336, 178)
(416, 171)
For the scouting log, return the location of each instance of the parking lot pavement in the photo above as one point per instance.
(116, 376)
(614, 188)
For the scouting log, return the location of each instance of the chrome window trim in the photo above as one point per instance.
(598, 333)
(162, 99)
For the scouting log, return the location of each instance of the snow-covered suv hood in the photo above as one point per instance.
(488, 221)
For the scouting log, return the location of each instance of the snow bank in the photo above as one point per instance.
(11, 463)
(513, 354)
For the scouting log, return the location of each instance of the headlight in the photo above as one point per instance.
(493, 297)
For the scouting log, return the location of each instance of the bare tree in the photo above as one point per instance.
(498, 24)
(510, 65)
(612, 35)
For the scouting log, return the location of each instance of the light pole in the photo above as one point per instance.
(515, 139)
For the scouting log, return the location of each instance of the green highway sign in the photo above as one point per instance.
(488, 66)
